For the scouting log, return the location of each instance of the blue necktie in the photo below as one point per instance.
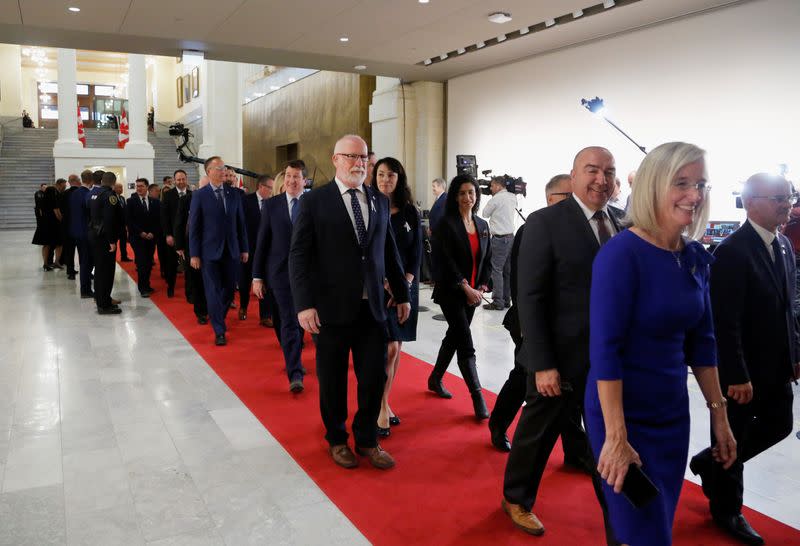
(261, 208)
(220, 200)
(293, 213)
(361, 229)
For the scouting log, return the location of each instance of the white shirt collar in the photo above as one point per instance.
(215, 188)
(289, 197)
(586, 210)
(343, 189)
(766, 235)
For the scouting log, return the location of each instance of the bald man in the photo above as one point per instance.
(342, 249)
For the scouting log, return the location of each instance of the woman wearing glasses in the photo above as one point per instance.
(650, 317)
(463, 257)
(390, 177)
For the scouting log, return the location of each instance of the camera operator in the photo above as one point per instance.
(500, 212)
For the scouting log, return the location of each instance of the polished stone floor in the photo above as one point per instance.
(113, 430)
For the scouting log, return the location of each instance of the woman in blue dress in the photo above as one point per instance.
(650, 317)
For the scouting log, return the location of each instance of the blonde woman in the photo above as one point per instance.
(650, 318)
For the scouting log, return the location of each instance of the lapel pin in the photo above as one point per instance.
(408, 228)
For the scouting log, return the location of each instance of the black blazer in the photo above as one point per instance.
(141, 219)
(453, 257)
(328, 269)
(169, 210)
(180, 226)
(252, 216)
(754, 320)
(554, 279)
(273, 241)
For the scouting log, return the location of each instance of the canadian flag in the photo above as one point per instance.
(122, 139)
(81, 133)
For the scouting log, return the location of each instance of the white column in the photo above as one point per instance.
(137, 105)
(67, 103)
(429, 139)
(222, 113)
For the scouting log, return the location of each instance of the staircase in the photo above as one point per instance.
(26, 160)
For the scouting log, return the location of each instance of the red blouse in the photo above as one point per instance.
(474, 246)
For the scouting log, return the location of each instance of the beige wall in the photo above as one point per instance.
(313, 112)
(10, 81)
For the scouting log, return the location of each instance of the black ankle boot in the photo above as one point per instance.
(435, 385)
(479, 405)
(470, 373)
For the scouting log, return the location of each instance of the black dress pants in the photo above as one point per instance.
(194, 278)
(123, 245)
(104, 265)
(458, 338)
(68, 254)
(366, 339)
(170, 265)
(757, 426)
(143, 255)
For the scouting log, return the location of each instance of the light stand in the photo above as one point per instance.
(596, 106)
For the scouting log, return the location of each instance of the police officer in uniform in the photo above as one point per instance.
(105, 225)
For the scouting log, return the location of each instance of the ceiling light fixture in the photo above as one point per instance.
(479, 45)
(577, 13)
(424, 1)
(501, 38)
(609, 4)
(192, 58)
(358, 67)
(74, 9)
(550, 23)
(500, 17)
(427, 62)
(274, 87)
(443, 56)
(524, 30)
(292, 80)
(461, 50)
(344, 39)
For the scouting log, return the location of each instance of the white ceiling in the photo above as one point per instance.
(390, 37)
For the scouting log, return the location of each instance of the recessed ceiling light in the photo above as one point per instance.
(274, 87)
(550, 22)
(609, 4)
(461, 50)
(524, 30)
(500, 17)
(577, 13)
(292, 80)
(344, 39)
(426, 62)
(360, 67)
(74, 9)
(443, 56)
(480, 44)
(501, 38)
(424, 1)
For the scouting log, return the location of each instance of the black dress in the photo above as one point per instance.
(48, 227)
(407, 230)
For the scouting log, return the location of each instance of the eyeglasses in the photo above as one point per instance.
(218, 168)
(685, 187)
(778, 199)
(355, 157)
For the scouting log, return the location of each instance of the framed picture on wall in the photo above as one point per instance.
(196, 81)
(187, 88)
(179, 89)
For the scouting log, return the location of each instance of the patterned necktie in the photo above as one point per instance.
(778, 264)
(261, 208)
(293, 214)
(602, 228)
(144, 203)
(361, 229)
(220, 200)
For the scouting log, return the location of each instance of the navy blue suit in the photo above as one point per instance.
(437, 211)
(79, 231)
(271, 265)
(252, 219)
(217, 235)
(330, 271)
(140, 219)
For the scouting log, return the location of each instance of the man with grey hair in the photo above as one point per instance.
(500, 211)
(439, 187)
(558, 188)
(758, 344)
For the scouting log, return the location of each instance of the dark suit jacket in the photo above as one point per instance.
(437, 211)
(139, 219)
(511, 320)
(328, 269)
(453, 257)
(180, 227)
(554, 279)
(252, 217)
(215, 233)
(757, 337)
(271, 261)
(169, 210)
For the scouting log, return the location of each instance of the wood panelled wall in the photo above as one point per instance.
(314, 113)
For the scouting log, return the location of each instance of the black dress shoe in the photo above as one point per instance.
(71, 276)
(126, 260)
(220, 340)
(499, 439)
(170, 292)
(145, 294)
(202, 320)
(737, 527)
(437, 387)
(701, 467)
(109, 311)
(87, 296)
(394, 421)
(47, 268)
(384, 432)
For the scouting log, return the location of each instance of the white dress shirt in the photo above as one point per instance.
(766, 236)
(500, 211)
(289, 203)
(362, 200)
(590, 213)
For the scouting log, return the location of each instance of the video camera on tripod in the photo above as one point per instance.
(186, 154)
(467, 164)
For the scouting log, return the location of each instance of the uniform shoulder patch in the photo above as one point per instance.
(112, 199)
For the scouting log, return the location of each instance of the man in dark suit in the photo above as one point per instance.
(437, 209)
(271, 266)
(195, 294)
(753, 301)
(79, 231)
(254, 204)
(169, 210)
(554, 279)
(142, 217)
(217, 242)
(123, 239)
(342, 249)
(68, 248)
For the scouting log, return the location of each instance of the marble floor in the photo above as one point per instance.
(113, 430)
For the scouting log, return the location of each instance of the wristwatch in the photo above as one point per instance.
(714, 405)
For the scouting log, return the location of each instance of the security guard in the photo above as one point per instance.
(105, 225)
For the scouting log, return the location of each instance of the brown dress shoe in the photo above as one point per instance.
(524, 519)
(377, 456)
(242, 313)
(343, 456)
(266, 323)
(115, 301)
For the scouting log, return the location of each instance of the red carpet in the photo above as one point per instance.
(446, 488)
